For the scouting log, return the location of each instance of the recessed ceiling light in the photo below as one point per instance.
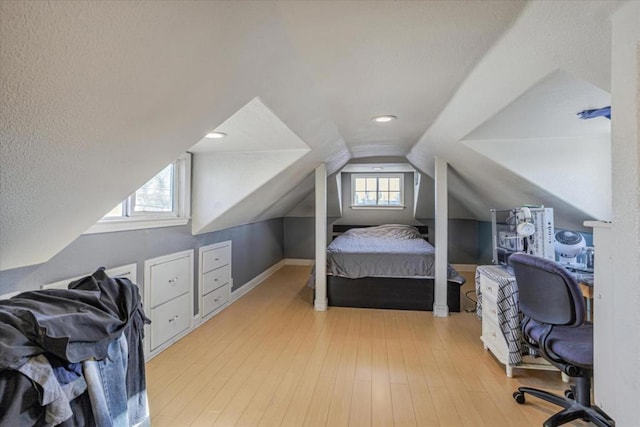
(377, 168)
(215, 135)
(384, 119)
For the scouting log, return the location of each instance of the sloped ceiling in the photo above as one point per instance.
(96, 97)
(546, 37)
(568, 157)
(257, 147)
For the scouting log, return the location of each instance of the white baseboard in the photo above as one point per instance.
(256, 281)
(298, 261)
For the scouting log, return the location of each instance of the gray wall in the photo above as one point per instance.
(485, 251)
(299, 237)
(256, 247)
(462, 239)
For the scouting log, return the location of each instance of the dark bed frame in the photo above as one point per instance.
(387, 292)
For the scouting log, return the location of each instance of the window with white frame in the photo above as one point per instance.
(163, 201)
(377, 190)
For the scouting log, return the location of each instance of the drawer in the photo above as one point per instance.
(170, 319)
(215, 299)
(215, 278)
(492, 338)
(216, 258)
(169, 280)
(488, 287)
(489, 307)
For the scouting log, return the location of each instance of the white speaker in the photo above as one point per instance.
(525, 227)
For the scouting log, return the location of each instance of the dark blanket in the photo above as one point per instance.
(74, 324)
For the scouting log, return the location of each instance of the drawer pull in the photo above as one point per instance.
(174, 318)
(216, 279)
(175, 279)
(216, 259)
(217, 299)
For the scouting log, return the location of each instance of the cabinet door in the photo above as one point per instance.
(215, 299)
(170, 319)
(216, 258)
(216, 278)
(488, 287)
(169, 280)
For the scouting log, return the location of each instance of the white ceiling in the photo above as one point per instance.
(549, 110)
(98, 96)
(252, 128)
(402, 58)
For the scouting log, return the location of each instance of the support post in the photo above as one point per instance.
(321, 301)
(440, 306)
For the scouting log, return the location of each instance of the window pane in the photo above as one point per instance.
(394, 197)
(370, 198)
(360, 184)
(115, 212)
(371, 184)
(394, 184)
(157, 194)
(383, 184)
(360, 198)
(383, 198)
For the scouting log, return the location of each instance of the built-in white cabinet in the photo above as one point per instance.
(215, 278)
(168, 299)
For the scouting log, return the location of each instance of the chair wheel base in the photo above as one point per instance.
(569, 394)
(519, 397)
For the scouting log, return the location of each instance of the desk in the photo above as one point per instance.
(585, 281)
(497, 295)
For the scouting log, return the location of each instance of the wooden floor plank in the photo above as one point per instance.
(270, 359)
(360, 413)
(403, 414)
(381, 404)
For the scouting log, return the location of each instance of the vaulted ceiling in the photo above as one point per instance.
(96, 97)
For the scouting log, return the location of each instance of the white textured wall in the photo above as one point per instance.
(546, 37)
(575, 169)
(223, 180)
(97, 97)
(620, 368)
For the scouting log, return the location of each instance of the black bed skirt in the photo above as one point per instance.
(389, 293)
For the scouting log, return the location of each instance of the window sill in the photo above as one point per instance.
(393, 208)
(134, 224)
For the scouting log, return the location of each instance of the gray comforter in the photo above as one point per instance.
(383, 251)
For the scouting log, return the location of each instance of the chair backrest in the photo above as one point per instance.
(547, 292)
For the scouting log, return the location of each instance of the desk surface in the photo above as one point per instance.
(582, 277)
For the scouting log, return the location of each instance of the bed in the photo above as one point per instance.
(388, 266)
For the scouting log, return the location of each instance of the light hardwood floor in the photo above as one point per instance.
(269, 359)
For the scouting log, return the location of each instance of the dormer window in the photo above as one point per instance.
(162, 201)
(383, 190)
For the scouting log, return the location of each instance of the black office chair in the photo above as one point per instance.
(554, 321)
